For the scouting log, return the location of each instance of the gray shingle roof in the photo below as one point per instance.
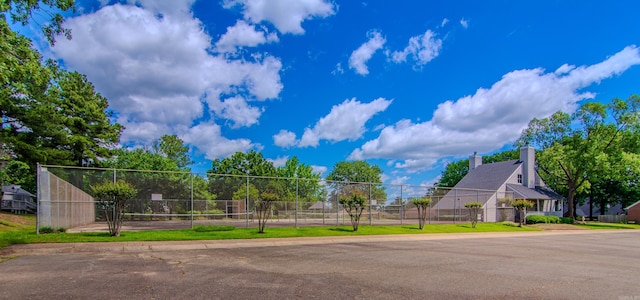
(523, 192)
(16, 190)
(489, 176)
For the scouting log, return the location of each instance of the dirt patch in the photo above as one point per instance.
(20, 220)
(557, 227)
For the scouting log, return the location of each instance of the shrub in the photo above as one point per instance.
(553, 219)
(521, 206)
(565, 220)
(46, 229)
(474, 209)
(422, 204)
(354, 205)
(534, 219)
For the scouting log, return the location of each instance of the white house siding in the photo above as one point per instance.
(513, 179)
(490, 209)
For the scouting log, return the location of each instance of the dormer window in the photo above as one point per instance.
(519, 178)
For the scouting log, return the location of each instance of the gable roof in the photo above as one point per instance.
(632, 205)
(15, 190)
(489, 176)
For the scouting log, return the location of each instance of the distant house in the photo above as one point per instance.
(17, 200)
(593, 211)
(319, 205)
(633, 212)
(494, 185)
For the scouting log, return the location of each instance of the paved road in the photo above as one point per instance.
(530, 265)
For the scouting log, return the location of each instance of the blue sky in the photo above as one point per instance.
(406, 85)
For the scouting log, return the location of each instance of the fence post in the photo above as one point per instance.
(430, 205)
(246, 204)
(191, 177)
(337, 210)
(401, 207)
(296, 211)
(39, 196)
(370, 215)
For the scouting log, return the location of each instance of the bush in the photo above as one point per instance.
(46, 229)
(566, 220)
(553, 219)
(535, 219)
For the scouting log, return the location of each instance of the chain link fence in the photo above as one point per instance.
(175, 200)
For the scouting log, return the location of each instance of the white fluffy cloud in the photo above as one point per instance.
(152, 62)
(319, 169)
(207, 137)
(487, 119)
(285, 139)
(243, 34)
(359, 57)
(237, 110)
(346, 121)
(279, 162)
(423, 48)
(286, 15)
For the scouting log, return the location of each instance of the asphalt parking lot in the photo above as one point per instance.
(527, 265)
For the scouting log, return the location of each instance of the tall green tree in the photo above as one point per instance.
(25, 109)
(18, 173)
(173, 148)
(84, 115)
(48, 115)
(300, 179)
(453, 173)
(577, 147)
(239, 164)
(617, 181)
(358, 175)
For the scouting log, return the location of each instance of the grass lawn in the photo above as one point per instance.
(597, 225)
(28, 236)
(21, 230)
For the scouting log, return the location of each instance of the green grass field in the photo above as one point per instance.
(21, 230)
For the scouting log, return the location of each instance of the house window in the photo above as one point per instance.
(519, 178)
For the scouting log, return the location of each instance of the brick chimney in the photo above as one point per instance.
(474, 161)
(528, 159)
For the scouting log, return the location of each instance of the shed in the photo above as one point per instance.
(17, 200)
